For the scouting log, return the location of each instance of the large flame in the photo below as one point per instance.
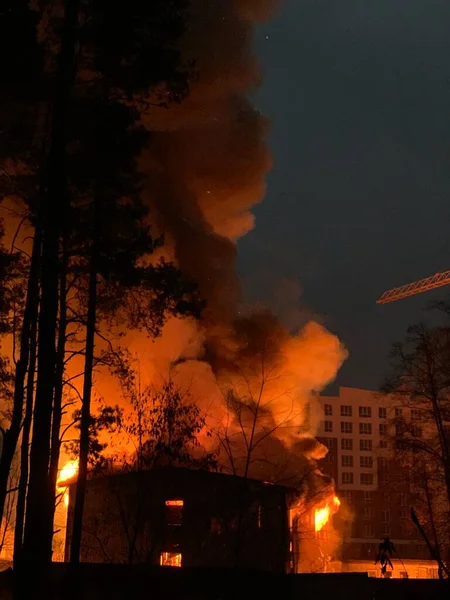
(66, 475)
(322, 515)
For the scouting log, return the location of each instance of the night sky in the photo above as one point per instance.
(358, 93)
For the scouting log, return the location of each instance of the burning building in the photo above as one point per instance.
(181, 517)
(251, 376)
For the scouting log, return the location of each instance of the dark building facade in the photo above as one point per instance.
(183, 517)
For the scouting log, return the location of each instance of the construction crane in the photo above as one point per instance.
(416, 287)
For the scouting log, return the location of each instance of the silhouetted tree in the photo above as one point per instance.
(419, 383)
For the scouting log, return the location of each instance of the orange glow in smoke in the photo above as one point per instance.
(323, 514)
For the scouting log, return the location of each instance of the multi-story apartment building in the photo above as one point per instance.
(355, 427)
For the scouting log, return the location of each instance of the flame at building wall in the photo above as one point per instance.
(322, 514)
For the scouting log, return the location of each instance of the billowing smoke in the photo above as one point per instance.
(205, 170)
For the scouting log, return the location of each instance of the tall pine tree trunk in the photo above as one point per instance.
(87, 391)
(59, 385)
(37, 538)
(12, 434)
(25, 445)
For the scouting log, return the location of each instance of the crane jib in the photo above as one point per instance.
(416, 287)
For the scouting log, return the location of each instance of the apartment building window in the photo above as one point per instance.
(365, 428)
(328, 442)
(402, 499)
(365, 412)
(347, 460)
(346, 411)
(365, 445)
(328, 426)
(382, 428)
(382, 463)
(346, 427)
(366, 479)
(398, 412)
(386, 516)
(416, 431)
(368, 530)
(367, 497)
(348, 495)
(382, 413)
(387, 497)
(403, 513)
(415, 414)
(383, 444)
(366, 462)
(367, 512)
(347, 478)
(328, 410)
(386, 529)
(346, 444)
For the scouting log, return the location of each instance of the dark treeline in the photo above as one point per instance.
(76, 78)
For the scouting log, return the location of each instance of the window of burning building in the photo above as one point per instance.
(170, 559)
(328, 410)
(174, 512)
(367, 497)
(328, 426)
(382, 413)
(346, 411)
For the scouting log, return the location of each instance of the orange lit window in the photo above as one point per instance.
(174, 512)
(170, 559)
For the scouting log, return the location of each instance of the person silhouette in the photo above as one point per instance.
(386, 551)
